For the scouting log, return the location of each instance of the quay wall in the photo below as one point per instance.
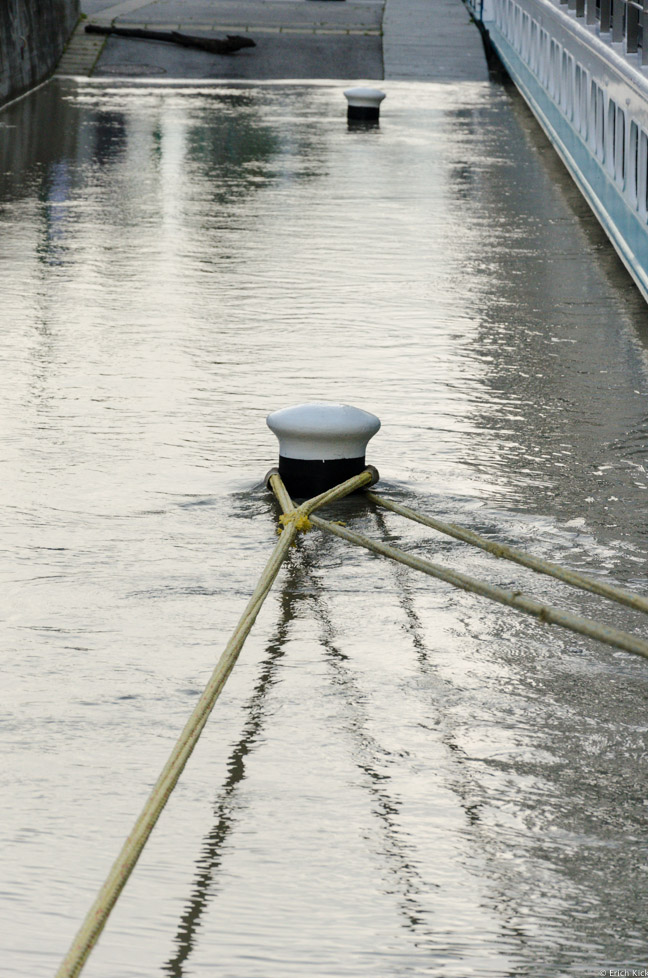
(33, 34)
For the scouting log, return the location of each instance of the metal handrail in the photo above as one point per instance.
(625, 20)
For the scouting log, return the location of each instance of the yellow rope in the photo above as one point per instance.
(365, 478)
(293, 521)
(123, 866)
(298, 516)
(574, 578)
(298, 519)
(514, 599)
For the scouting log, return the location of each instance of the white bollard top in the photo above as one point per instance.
(364, 97)
(323, 431)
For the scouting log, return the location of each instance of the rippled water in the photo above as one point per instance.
(399, 779)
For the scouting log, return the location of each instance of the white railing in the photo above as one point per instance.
(624, 20)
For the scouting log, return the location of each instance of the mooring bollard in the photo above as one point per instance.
(321, 445)
(363, 104)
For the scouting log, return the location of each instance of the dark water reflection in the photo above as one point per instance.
(399, 779)
(214, 844)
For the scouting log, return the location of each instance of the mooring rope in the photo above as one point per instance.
(576, 579)
(514, 599)
(300, 519)
(123, 866)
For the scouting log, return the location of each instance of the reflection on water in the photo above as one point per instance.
(211, 855)
(399, 780)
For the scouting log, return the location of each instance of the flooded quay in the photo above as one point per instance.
(399, 779)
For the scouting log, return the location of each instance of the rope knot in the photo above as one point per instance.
(298, 517)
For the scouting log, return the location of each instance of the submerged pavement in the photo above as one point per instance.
(417, 40)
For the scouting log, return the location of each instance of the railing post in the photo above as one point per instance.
(580, 8)
(644, 34)
(618, 10)
(633, 13)
(590, 11)
(606, 18)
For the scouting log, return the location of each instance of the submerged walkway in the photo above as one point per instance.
(431, 40)
(417, 40)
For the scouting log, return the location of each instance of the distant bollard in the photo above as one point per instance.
(321, 445)
(363, 104)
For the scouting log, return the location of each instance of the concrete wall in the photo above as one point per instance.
(33, 34)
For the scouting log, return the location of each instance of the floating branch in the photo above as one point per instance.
(232, 43)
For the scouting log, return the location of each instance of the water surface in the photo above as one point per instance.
(399, 779)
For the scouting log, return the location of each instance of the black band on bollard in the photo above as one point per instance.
(363, 113)
(305, 478)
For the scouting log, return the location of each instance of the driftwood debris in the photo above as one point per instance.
(232, 43)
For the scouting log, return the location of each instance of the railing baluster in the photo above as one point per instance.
(606, 18)
(618, 11)
(633, 13)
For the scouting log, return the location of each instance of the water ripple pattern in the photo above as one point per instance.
(399, 780)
